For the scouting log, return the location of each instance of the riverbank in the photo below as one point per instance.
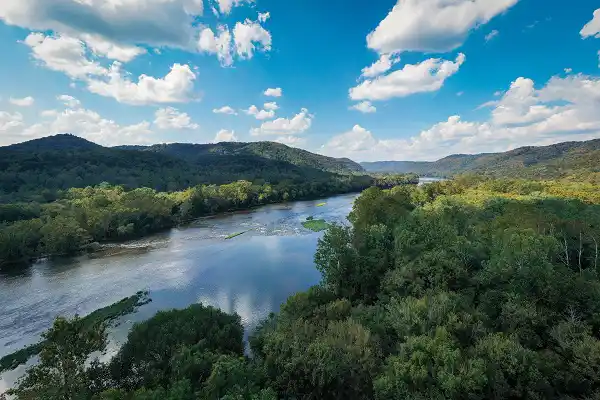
(87, 218)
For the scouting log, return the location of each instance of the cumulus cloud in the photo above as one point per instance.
(292, 141)
(64, 54)
(271, 106)
(174, 87)
(250, 36)
(432, 25)
(78, 121)
(384, 64)
(364, 107)
(225, 6)
(427, 76)
(219, 44)
(104, 48)
(285, 126)
(24, 102)
(225, 136)
(263, 17)
(171, 118)
(274, 92)
(491, 35)
(260, 114)
(565, 108)
(124, 23)
(225, 110)
(68, 101)
(246, 38)
(356, 140)
(10, 123)
(592, 28)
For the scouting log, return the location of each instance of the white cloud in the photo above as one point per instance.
(68, 101)
(384, 64)
(263, 17)
(356, 140)
(565, 108)
(225, 110)
(271, 106)
(427, 76)
(10, 123)
(104, 48)
(459, 94)
(274, 92)
(364, 107)
(284, 126)
(124, 23)
(225, 136)
(292, 141)
(260, 114)
(171, 118)
(49, 113)
(491, 35)
(225, 6)
(432, 25)
(64, 54)
(592, 28)
(175, 87)
(78, 121)
(568, 70)
(249, 37)
(24, 102)
(217, 44)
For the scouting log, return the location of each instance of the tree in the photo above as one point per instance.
(61, 373)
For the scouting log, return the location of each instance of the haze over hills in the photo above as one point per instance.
(63, 161)
(552, 161)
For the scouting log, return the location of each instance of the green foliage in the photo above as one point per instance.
(465, 289)
(101, 317)
(470, 288)
(41, 169)
(146, 357)
(61, 372)
(578, 160)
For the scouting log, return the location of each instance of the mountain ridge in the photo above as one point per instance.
(550, 161)
(40, 168)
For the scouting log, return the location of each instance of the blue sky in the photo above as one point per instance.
(451, 76)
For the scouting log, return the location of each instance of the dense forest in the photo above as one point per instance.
(575, 159)
(39, 170)
(83, 217)
(55, 198)
(465, 289)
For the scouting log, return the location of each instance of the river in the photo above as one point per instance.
(251, 274)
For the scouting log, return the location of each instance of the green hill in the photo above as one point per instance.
(555, 161)
(38, 169)
(267, 150)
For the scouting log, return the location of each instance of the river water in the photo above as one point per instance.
(251, 274)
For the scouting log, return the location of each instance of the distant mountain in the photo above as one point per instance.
(266, 150)
(552, 161)
(37, 169)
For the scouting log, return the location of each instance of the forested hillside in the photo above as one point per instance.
(465, 289)
(546, 162)
(269, 150)
(39, 169)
